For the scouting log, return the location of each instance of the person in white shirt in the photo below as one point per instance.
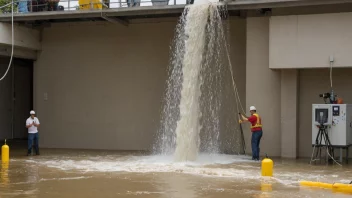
(32, 125)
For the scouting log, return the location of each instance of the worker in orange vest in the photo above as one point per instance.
(256, 128)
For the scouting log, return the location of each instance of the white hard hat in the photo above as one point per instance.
(252, 108)
(32, 112)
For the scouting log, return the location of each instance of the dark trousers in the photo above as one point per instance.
(33, 137)
(256, 136)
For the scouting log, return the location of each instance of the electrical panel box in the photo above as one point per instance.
(337, 118)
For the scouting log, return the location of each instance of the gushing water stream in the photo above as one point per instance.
(188, 127)
(191, 115)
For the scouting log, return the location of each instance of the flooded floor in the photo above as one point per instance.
(91, 174)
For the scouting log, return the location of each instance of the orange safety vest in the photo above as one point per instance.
(259, 121)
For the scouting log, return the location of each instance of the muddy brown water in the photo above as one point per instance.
(91, 174)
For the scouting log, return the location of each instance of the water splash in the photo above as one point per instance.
(191, 118)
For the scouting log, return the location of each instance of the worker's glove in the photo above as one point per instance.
(240, 121)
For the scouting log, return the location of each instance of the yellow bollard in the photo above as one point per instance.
(5, 153)
(267, 167)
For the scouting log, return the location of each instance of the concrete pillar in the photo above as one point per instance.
(263, 85)
(289, 99)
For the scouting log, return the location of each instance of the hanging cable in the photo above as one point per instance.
(331, 62)
(238, 100)
(12, 43)
(237, 97)
(327, 150)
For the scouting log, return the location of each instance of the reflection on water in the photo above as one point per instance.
(266, 187)
(177, 186)
(4, 173)
(63, 173)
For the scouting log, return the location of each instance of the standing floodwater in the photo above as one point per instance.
(192, 110)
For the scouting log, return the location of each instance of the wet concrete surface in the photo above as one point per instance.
(82, 173)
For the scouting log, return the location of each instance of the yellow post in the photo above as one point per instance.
(5, 153)
(267, 167)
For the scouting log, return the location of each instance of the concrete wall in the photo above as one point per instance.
(5, 50)
(307, 41)
(312, 83)
(26, 41)
(263, 85)
(289, 112)
(104, 83)
(23, 37)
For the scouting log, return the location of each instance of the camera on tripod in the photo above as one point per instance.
(330, 96)
(324, 95)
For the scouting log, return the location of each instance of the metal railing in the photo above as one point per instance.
(25, 6)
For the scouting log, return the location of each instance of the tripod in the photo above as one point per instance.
(322, 135)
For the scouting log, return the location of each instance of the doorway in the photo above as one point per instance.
(16, 98)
